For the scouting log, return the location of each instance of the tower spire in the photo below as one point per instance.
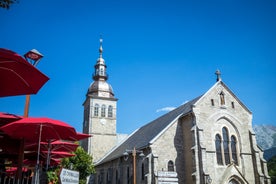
(100, 87)
(100, 67)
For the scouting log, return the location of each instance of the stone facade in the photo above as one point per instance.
(103, 129)
(187, 149)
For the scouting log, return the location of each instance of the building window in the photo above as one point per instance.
(143, 172)
(103, 111)
(226, 148)
(226, 145)
(101, 72)
(170, 166)
(233, 105)
(222, 98)
(96, 110)
(218, 150)
(193, 160)
(212, 102)
(97, 72)
(234, 149)
(110, 111)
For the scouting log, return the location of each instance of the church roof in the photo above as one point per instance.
(142, 137)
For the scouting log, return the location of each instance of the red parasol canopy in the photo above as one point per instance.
(58, 154)
(7, 118)
(29, 128)
(52, 146)
(31, 162)
(39, 129)
(17, 76)
(80, 136)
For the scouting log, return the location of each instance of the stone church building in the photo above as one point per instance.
(206, 140)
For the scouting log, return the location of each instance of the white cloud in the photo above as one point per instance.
(166, 109)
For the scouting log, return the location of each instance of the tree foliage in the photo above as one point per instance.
(271, 166)
(7, 3)
(81, 162)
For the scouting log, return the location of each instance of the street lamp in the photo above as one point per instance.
(33, 57)
(134, 152)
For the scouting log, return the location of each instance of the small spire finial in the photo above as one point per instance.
(218, 75)
(101, 46)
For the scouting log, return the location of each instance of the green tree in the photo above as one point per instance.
(81, 162)
(7, 3)
(271, 166)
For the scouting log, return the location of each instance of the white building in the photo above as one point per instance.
(206, 140)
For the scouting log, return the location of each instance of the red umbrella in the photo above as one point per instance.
(80, 136)
(39, 129)
(45, 129)
(17, 76)
(30, 162)
(52, 146)
(7, 118)
(58, 154)
(63, 146)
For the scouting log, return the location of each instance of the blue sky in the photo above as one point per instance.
(158, 53)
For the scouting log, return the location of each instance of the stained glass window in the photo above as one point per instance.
(218, 150)
(234, 149)
(226, 145)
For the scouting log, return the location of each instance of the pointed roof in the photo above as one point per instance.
(219, 82)
(143, 137)
(100, 88)
(148, 133)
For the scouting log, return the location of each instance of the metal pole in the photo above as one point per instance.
(27, 105)
(37, 160)
(48, 155)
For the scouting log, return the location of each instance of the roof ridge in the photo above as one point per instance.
(142, 137)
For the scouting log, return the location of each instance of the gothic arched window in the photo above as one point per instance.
(233, 181)
(170, 166)
(234, 149)
(110, 111)
(96, 110)
(103, 111)
(226, 148)
(218, 150)
(226, 145)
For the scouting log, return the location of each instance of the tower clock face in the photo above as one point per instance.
(102, 121)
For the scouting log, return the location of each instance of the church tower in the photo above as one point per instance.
(100, 112)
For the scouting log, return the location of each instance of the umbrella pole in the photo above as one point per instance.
(20, 160)
(48, 156)
(37, 160)
(27, 105)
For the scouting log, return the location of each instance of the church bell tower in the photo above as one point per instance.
(99, 112)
